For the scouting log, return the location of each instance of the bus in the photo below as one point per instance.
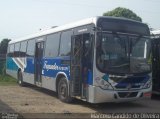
(155, 62)
(98, 59)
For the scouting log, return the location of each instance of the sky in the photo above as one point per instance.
(23, 17)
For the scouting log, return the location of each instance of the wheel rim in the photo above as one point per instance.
(20, 81)
(63, 90)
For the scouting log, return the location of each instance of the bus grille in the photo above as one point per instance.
(125, 86)
(127, 94)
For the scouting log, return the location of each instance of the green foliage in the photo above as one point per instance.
(3, 52)
(4, 79)
(7, 80)
(4, 45)
(123, 12)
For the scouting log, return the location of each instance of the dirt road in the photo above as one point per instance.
(35, 100)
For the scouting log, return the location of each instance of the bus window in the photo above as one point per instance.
(31, 47)
(16, 49)
(11, 50)
(23, 49)
(8, 48)
(52, 45)
(65, 46)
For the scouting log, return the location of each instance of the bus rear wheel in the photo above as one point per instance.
(20, 79)
(63, 93)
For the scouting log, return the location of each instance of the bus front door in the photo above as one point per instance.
(79, 64)
(76, 69)
(39, 50)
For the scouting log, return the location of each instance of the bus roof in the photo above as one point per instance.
(156, 32)
(67, 26)
(57, 29)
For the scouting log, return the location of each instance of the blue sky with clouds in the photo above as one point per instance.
(23, 17)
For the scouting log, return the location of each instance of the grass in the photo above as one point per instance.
(7, 80)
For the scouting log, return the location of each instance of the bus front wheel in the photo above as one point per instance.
(20, 79)
(63, 93)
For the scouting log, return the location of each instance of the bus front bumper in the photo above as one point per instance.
(99, 95)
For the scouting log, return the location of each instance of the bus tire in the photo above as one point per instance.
(63, 93)
(20, 79)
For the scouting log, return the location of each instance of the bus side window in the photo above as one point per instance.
(31, 47)
(65, 46)
(52, 45)
(11, 50)
(23, 47)
(8, 48)
(16, 49)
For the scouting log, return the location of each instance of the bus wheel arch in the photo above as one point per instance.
(62, 84)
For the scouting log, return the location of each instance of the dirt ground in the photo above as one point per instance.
(35, 100)
(32, 99)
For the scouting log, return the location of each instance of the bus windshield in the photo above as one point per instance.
(122, 53)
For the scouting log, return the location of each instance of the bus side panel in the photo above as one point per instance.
(11, 67)
(49, 83)
(28, 74)
(28, 78)
(51, 68)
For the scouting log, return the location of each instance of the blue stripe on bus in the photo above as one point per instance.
(11, 65)
(90, 78)
(30, 65)
(50, 67)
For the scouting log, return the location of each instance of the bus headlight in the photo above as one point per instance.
(103, 84)
(148, 84)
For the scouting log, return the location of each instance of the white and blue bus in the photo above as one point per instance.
(99, 59)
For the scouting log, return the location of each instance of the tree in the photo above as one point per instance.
(4, 45)
(123, 12)
(3, 52)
